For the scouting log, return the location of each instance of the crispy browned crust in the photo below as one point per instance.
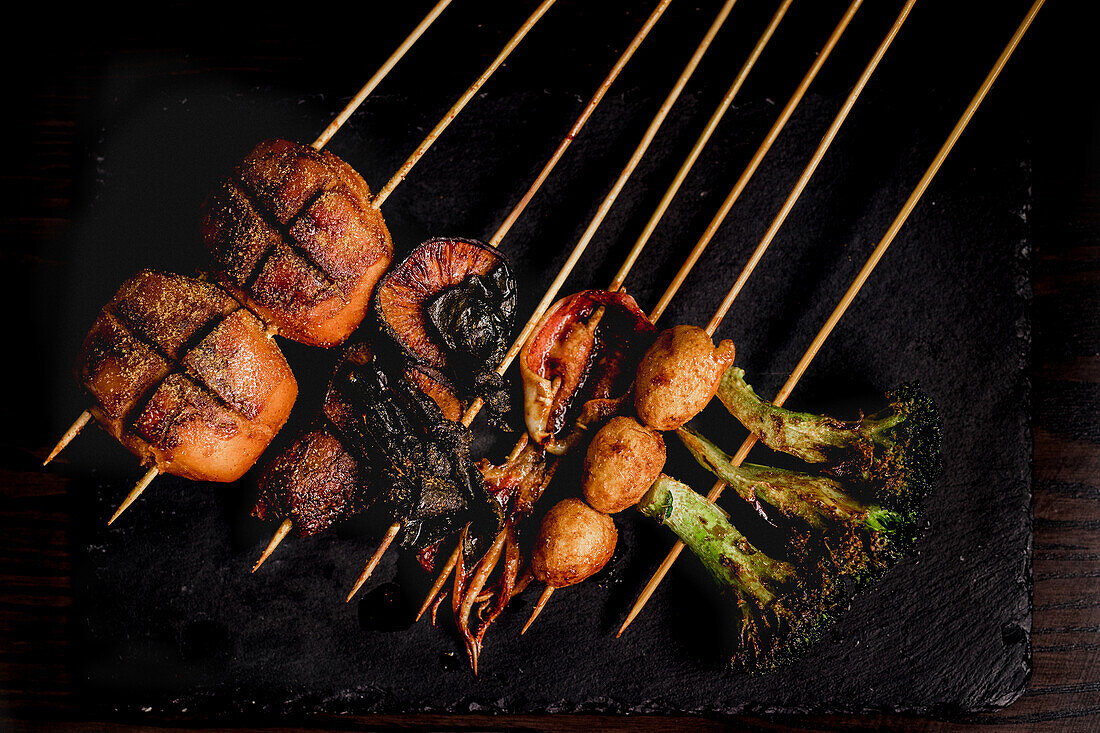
(294, 236)
(185, 377)
(313, 482)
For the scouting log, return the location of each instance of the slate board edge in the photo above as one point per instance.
(333, 705)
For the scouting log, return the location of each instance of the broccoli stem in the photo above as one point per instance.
(706, 529)
(813, 438)
(816, 500)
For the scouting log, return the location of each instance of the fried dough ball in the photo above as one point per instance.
(623, 460)
(678, 376)
(574, 542)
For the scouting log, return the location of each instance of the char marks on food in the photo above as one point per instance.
(449, 308)
(184, 377)
(294, 236)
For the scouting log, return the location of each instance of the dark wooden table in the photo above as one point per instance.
(52, 93)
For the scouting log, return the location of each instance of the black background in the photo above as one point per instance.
(948, 306)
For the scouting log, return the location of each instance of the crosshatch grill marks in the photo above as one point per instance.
(295, 238)
(119, 369)
(282, 236)
(140, 398)
(199, 332)
(173, 320)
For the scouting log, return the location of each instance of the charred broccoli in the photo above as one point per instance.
(782, 609)
(842, 528)
(826, 526)
(893, 454)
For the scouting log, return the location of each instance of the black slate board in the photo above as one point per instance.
(170, 618)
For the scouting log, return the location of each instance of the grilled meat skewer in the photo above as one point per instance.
(185, 377)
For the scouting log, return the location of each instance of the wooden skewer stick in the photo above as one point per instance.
(280, 534)
(674, 187)
(666, 200)
(135, 493)
(697, 149)
(809, 170)
(386, 67)
(754, 163)
(608, 201)
(373, 562)
(67, 438)
(440, 580)
(457, 107)
(537, 609)
(854, 288)
(625, 57)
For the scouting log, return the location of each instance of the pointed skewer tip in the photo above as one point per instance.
(279, 536)
(67, 438)
(448, 567)
(375, 558)
(538, 608)
(134, 493)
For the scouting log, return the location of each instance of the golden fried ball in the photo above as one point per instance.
(623, 460)
(678, 376)
(575, 541)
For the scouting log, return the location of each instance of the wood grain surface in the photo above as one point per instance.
(52, 120)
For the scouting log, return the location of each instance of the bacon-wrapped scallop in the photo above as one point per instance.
(185, 378)
(293, 235)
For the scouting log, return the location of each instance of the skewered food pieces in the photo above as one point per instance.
(516, 485)
(449, 307)
(574, 543)
(622, 462)
(184, 377)
(579, 363)
(315, 482)
(678, 376)
(293, 235)
(780, 609)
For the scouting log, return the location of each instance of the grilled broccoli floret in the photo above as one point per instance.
(782, 609)
(826, 525)
(893, 454)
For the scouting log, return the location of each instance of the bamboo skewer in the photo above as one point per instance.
(855, 287)
(567, 268)
(67, 438)
(697, 149)
(809, 170)
(625, 57)
(754, 162)
(280, 534)
(546, 593)
(134, 493)
(378, 553)
(457, 107)
(386, 67)
(609, 199)
(439, 581)
(497, 237)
